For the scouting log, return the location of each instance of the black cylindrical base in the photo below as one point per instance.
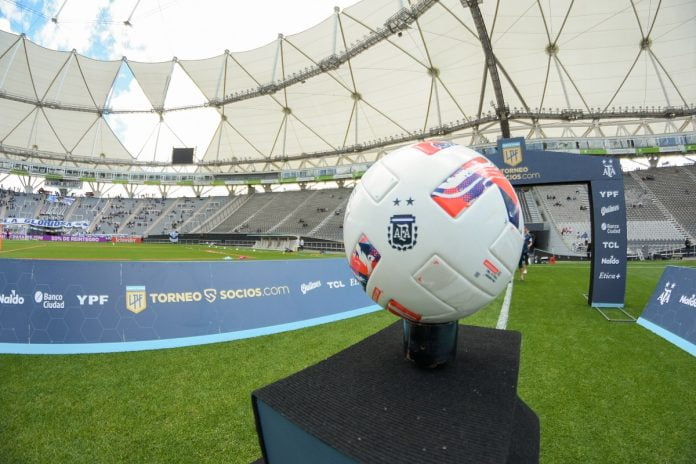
(430, 345)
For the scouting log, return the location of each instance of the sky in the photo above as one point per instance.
(160, 29)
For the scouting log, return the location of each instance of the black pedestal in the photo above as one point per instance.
(368, 404)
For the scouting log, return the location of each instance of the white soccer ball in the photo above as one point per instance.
(433, 232)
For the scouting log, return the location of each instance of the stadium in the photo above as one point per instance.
(227, 176)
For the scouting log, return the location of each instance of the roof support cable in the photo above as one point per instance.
(127, 22)
(54, 19)
(9, 63)
(97, 136)
(337, 12)
(437, 103)
(501, 109)
(350, 120)
(563, 85)
(277, 57)
(659, 78)
(64, 72)
(32, 132)
(674, 85)
(84, 134)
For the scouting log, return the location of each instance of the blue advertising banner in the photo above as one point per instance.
(609, 243)
(101, 306)
(608, 208)
(671, 310)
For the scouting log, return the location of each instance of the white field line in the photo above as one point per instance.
(505, 309)
(24, 248)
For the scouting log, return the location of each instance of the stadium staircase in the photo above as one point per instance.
(293, 213)
(196, 216)
(71, 210)
(162, 216)
(37, 211)
(557, 245)
(331, 226)
(124, 224)
(225, 212)
(663, 209)
(98, 217)
(689, 173)
(531, 212)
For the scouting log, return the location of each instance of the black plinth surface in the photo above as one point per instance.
(369, 404)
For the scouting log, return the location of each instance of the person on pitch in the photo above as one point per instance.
(524, 258)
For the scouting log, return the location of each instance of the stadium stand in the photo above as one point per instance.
(675, 195)
(660, 206)
(86, 209)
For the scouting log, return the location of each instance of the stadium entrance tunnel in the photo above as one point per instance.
(64, 307)
(607, 207)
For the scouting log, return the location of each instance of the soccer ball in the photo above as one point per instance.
(433, 232)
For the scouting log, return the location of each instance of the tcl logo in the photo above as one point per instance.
(610, 245)
(609, 193)
(91, 300)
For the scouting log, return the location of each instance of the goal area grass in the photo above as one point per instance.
(604, 392)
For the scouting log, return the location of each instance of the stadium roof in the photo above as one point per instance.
(370, 76)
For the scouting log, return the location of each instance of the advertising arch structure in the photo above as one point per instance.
(605, 182)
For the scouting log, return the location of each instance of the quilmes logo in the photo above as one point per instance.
(512, 153)
(609, 170)
(609, 209)
(11, 299)
(309, 286)
(664, 297)
(136, 299)
(402, 232)
(49, 300)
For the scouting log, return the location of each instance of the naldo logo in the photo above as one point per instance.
(12, 299)
(49, 300)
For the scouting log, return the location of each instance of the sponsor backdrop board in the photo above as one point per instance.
(608, 207)
(671, 310)
(102, 306)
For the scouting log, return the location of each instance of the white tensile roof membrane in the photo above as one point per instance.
(303, 94)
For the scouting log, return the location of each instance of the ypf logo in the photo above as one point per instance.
(92, 300)
(664, 297)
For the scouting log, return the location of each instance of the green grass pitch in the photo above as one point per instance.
(604, 392)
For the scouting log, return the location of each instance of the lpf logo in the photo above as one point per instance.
(512, 154)
(609, 169)
(666, 293)
(402, 231)
(136, 299)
